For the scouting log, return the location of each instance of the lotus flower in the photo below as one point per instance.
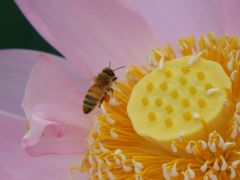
(89, 34)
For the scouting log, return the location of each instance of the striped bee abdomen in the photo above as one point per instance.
(89, 103)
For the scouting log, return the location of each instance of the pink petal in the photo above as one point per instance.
(15, 67)
(53, 104)
(174, 19)
(230, 15)
(92, 33)
(16, 165)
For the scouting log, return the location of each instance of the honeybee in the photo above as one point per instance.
(100, 89)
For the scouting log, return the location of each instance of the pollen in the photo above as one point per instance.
(178, 118)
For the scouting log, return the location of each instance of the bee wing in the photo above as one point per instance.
(85, 84)
(82, 83)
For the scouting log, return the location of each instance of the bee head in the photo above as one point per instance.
(109, 72)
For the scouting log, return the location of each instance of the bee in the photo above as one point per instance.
(100, 89)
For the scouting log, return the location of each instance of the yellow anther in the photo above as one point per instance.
(168, 122)
(145, 101)
(182, 80)
(150, 87)
(201, 103)
(174, 94)
(158, 102)
(169, 109)
(185, 102)
(163, 86)
(168, 73)
(152, 116)
(187, 116)
(200, 76)
(192, 90)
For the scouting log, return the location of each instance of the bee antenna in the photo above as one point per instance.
(119, 68)
(109, 65)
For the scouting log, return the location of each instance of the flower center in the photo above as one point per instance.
(189, 102)
(186, 96)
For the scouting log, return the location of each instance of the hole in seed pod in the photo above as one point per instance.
(187, 116)
(163, 86)
(185, 69)
(152, 116)
(158, 102)
(208, 86)
(150, 87)
(145, 101)
(168, 122)
(174, 94)
(201, 103)
(182, 81)
(192, 90)
(200, 75)
(168, 74)
(169, 109)
(185, 102)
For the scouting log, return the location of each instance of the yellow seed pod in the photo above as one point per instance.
(182, 98)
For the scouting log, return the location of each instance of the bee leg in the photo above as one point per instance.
(106, 97)
(111, 91)
(99, 105)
